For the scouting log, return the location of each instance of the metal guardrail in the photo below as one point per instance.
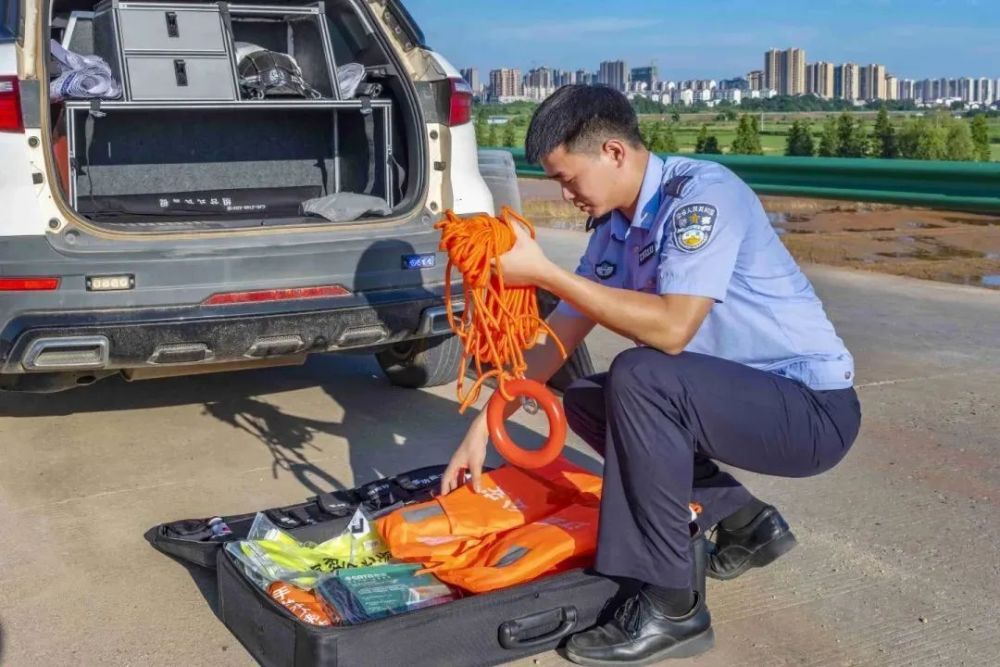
(971, 186)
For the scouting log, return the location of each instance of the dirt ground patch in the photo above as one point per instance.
(947, 246)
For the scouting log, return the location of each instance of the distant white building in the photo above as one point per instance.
(734, 95)
(685, 97)
(704, 95)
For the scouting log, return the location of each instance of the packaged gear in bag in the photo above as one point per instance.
(270, 554)
(264, 73)
(369, 593)
(304, 605)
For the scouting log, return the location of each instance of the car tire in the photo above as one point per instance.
(424, 362)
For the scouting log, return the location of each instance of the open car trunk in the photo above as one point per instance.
(192, 143)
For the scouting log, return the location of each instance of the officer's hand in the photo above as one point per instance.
(525, 264)
(470, 455)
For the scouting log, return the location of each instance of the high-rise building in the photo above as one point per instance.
(966, 90)
(984, 91)
(582, 76)
(772, 69)
(819, 79)
(756, 79)
(926, 92)
(647, 75)
(614, 73)
(846, 81)
(891, 87)
(907, 89)
(506, 84)
(564, 78)
(793, 72)
(541, 77)
(471, 76)
(873, 82)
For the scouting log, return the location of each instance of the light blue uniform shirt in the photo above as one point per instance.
(699, 230)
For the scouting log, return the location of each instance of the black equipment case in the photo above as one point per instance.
(478, 630)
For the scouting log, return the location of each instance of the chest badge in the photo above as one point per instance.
(693, 226)
(605, 270)
(646, 253)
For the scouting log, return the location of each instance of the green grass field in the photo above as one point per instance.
(773, 130)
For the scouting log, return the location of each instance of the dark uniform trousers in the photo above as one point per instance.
(662, 421)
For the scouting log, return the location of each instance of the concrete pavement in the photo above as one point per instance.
(898, 558)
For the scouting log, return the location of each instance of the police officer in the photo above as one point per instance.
(736, 362)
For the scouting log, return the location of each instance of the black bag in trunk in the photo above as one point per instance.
(202, 205)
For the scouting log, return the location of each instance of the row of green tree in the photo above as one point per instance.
(778, 104)
(936, 137)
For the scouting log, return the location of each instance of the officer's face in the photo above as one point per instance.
(588, 178)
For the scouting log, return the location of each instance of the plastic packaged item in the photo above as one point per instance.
(304, 605)
(81, 76)
(364, 594)
(349, 77)
(274, 555)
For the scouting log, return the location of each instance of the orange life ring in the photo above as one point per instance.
(516, 455)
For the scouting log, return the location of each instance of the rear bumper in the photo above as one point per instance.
(102, 341)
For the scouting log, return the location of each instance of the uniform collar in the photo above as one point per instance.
(648, 203)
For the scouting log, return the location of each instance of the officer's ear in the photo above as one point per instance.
(615, 150)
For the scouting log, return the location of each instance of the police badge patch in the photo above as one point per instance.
(693, 225)
(605, 270)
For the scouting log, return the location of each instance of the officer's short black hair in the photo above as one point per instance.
(583, 118)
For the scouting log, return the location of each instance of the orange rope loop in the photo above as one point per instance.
(499, 322)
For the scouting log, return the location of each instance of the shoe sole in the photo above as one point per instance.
(688, 648)
(763, 557)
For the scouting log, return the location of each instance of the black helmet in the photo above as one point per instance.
(266, 73)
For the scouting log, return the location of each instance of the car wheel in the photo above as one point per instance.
(425, 362)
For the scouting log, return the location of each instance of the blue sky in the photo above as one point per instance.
(716, 38)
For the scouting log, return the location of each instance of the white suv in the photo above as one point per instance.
(160, 233)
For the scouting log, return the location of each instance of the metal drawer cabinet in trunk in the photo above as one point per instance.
(175, 77)
(169, 28)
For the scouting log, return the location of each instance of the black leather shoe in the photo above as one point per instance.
(757, 544)
(640, 635)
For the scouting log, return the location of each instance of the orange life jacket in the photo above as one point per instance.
(559, 542)
(444, 528)
(508, 532)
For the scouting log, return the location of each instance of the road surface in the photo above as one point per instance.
(898, 562)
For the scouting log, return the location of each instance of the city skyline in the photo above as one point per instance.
(785, 72)
(916, 39)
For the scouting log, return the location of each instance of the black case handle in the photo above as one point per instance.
(172, 29)
(180, 72)
(521, 632)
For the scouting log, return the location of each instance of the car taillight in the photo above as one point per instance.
(28, 284)
(10, 105)
(259, 296)
(460, 111)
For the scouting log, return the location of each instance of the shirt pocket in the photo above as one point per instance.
(610, 268)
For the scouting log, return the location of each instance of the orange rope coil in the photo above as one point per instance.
(498, 324)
